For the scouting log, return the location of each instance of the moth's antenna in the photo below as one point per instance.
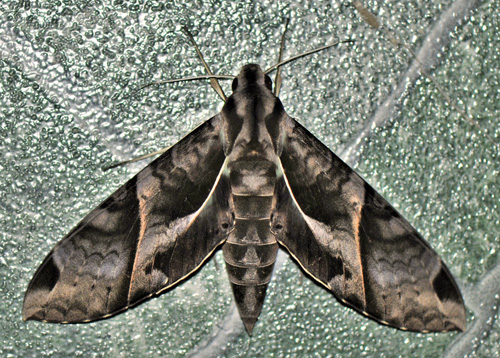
(213, 80)
(392, 38)
(307, 53)
(215, 84)
(277, 79)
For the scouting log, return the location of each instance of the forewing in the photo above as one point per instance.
(150, 234)
(352, 241)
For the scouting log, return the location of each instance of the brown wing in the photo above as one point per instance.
(353, 242)
(151, 233)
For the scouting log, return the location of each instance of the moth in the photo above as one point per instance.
(249, 180)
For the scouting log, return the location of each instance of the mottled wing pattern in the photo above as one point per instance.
(151, 233)
(353, 242)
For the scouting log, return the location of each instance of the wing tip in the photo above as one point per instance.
(27, 316)
(461, 324)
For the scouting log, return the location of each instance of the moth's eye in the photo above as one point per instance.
(234, 85)
(269, 83)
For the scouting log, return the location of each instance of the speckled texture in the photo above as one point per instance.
(69, 100)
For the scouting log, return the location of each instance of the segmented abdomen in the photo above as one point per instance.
(250, 250)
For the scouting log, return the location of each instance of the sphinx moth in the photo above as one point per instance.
(250, 179)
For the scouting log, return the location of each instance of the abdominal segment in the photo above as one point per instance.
(250, 249)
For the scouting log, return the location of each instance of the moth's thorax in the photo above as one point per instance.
(251, 118)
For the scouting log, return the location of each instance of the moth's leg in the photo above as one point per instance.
(145, 156)
(213, 81)
(277, 79)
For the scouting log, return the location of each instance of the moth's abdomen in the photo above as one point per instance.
(250, 250)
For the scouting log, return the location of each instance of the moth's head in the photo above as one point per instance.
(251, 75)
